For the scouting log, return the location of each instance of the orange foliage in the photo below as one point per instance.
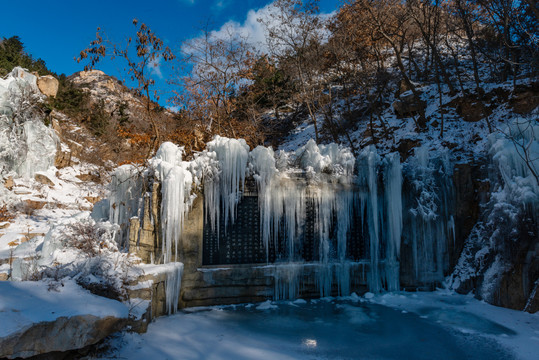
(5, 215)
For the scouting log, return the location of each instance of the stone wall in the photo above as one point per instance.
(206, 285)
(144, 234)
(227, 284)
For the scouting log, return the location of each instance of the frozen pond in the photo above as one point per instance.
(354, 328)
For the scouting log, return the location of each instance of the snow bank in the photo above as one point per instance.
(25, 303)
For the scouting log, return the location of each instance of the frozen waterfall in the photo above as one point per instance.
(322, 213)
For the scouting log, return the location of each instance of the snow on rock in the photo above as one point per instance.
(514, 203)
(266, 305)
(40, 317)
(27, 302)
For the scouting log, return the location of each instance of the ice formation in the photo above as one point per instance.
(222, 192)
(124, 200)
(513, 204)
(175, 189)
(173, 284)
(129, 187)
(27, 145)
(319, 193)
(515, 154)
(430, 215)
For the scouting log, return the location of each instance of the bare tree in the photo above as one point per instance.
(392, 24)
(220, 64)
(522, 135)
(295, 32)
(140, 60)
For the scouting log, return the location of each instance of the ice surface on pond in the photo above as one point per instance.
(338, 329)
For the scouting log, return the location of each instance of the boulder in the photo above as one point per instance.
(403, 87)
(42, 317)
(92, 199)
(34, 204)
(8, 184)
(63, 334)
(44, 179)
(63, 158)
(48, 85)
(407, 105)
(93, 176)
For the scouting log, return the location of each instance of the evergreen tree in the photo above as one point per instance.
(12, 54)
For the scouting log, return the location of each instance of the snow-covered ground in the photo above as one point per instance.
(439, 325)
(42, 206)
(23, 303)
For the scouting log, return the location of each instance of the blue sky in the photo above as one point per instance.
(57, 31)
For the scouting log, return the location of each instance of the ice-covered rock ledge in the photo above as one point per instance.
(154, 293)
(41, 317)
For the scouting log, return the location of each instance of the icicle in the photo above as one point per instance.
(287, 281)
(368, 172)
(175, 189)
(262, 162)
(173, 284)
(342, 275)
(431, 213)
(451, 228)
(324, 279)
(393, 203)
(344, 208)
(224, 191)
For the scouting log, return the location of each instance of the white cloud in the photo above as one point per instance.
(220, 5)
(155, 67)
(175, 109)
(251, 29)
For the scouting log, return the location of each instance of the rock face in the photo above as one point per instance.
(66, 333)
(48, 85)
(143, 232)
